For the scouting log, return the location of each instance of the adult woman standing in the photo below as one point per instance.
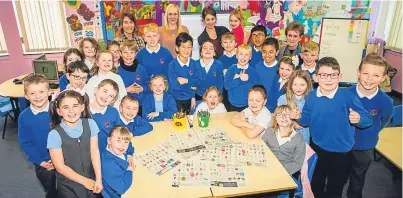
(211, 31)
(129, 30)
(172, 28)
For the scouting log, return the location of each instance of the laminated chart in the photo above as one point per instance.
(251, 154)
(206, 174)
(158, 160)
(214, 136)
(186, 143)
(219, 154)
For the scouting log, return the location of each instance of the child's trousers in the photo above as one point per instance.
(48, 181)
(360, 161)
(333, 167)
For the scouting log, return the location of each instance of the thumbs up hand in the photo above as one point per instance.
(354, 117)
(295, 114)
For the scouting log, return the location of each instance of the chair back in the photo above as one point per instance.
(397, 116)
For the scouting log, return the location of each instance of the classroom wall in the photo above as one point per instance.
(395, 60)
(16, 63)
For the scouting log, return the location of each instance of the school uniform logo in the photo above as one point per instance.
(373, 112)
(191, 72)
(162, 60)
(215, 74)
(138, 77)
(107, 125)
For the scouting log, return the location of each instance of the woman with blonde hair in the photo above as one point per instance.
(171, 28)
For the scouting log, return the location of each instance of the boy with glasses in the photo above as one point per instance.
(258, 35)
(332, 115)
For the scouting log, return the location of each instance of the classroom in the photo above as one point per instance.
(209, 98)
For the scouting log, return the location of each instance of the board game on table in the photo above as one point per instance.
(259, 178)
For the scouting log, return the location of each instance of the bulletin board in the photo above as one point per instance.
(345, 40)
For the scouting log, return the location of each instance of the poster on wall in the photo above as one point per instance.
(144, 11)
(84, 20)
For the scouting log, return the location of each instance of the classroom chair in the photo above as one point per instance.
(311, 168)
(5, 110)
(397, 116)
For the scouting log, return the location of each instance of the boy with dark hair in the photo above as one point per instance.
(258, 36)
(267, 69)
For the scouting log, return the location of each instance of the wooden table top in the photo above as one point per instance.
(390, 145)
(260, 179)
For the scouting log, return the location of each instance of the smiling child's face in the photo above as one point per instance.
(285, 71)
(158, 86)
(105, 95)
(208, 50)
(256, 101)
(243, 57)
(118, 144)
(129, 109)
(212, 99)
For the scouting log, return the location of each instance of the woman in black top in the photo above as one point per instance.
(211, 31)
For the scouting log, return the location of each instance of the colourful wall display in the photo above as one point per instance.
(84, 19)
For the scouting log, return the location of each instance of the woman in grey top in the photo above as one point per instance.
(286, 144)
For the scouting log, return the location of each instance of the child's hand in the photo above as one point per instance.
(98, 187)
(130, 160)
(182, 80)
(131, 89)
(51, 164)
(153, 115)
(354, 117)
(244, 77)
(46, 165)
(297, 126)
(241, 116)
(237, 76)
(193, 103)
(138, 89)
(131, 167)
(295, 114)
(89, 184)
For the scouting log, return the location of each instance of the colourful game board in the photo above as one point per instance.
(219, 154)
(214, 136)
(251, 154)
(158, 160)
(186, 143)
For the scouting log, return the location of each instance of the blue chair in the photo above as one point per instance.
(311, 169)
(397, 116)
(5, 110)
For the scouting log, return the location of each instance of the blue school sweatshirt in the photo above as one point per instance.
(227, 61)
(105, 123)
(63, 82)
(134, 73)
(238, 89)
(169, 107)
(155, 63)
(380, 108)
(256, 57)
(328, 119)
(274, 93)
(116, 179)
(214, 77)
(190, 71)
(139, 126)
(267, 73)
(310, 74)
(33, 133)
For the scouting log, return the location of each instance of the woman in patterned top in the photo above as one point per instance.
(129, 30)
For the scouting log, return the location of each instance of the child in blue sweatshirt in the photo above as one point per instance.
(183, 75)
(117, 171)
(114, 48)
(298, 87)
(279, 84)
(71, 55)
(258, 36)
(240, 78)
(33, 129)
(77, 73)
(129, 108)
(371, 72)
(267, 69)
(310, 54)
(134, 75)
(228, 42)
(332, 115)
(159, 105)
(73, 147)
(105, 115)
(211, 70)
(154, 57)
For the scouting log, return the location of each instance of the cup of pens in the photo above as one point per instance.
(179, 120)
(204, 118)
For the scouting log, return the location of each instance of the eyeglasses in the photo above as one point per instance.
(332, 76)
(78, 77)
(283, 115)
(114, 52)
(258, 35)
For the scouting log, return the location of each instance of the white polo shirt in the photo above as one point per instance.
(263, 119)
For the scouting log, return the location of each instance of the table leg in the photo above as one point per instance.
(16, 107)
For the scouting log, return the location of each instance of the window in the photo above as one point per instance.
(394, 32)
(42, 26)
(3, 47)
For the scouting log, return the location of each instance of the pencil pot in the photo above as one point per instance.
(203, 121)
(179, 122)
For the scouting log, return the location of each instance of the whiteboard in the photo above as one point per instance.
(345, 40)
(195, 25)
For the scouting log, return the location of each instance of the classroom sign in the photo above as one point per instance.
(84, 20)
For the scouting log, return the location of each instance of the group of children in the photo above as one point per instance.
(109, 96)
